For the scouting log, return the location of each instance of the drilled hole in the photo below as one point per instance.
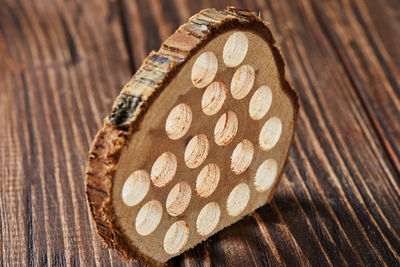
(178, 121)
(176, 237)
(208, 218)
(135, 187)
(260, 102)
(213, 98)
(178, 198)
(148, 217)
(204, 69)
(266, 175)
(238, 199)
(242, 82)
(226, 128)
(235, 49)
(196, 151)
(242, 156)
(270, 133)
(207, 180)
(163, 169)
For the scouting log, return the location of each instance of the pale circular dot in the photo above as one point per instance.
(178, 198)
(136, 187)
(213, 98)
(178, 121)
(238, 199)
(242, 81)
(260, 102)
(164, 168)
(204, 69)
(176, 237)
(148, 217)
(208, 218)
(266, 175)
(226, 128)
(207, 180)
(196, 151)
(242, 156)
(270, 133)
(235, 49)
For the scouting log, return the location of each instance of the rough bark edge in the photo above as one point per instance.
(130, 106)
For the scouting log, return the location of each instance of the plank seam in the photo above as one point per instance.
(123, 21)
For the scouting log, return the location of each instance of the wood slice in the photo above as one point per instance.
(195, 141)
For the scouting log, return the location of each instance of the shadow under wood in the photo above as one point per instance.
(241, 244)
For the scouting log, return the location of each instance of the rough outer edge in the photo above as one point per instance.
(153, 76)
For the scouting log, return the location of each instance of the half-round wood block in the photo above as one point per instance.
(195, 141)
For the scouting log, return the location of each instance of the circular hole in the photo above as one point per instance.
(178, 121)
(178, 198)
(238, 199)
(242, 156)
(135, 187)
(266, 175)
(226, 128)
(207, 180)
(270, 133)
(242, 81)
(176, 237)
(196, 151)
(235, 49)
(208, 218)
(148, 217)
(204, 69)
(260, 102)
(213, 98)
(163, 169)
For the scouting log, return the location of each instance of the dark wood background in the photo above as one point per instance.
(62, 63)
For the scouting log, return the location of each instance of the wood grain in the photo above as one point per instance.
(63, 62)
(365, 35)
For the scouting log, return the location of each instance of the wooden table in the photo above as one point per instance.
(62, 63)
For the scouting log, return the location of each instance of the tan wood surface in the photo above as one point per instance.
(62, 63)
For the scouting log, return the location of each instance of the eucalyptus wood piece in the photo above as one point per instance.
(193, 116)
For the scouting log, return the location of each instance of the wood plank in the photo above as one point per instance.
(366, 36)
(65, 62)
(63, 65)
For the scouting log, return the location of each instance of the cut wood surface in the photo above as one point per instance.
(62, 63)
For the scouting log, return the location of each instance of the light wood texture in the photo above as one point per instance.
(62, 63)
